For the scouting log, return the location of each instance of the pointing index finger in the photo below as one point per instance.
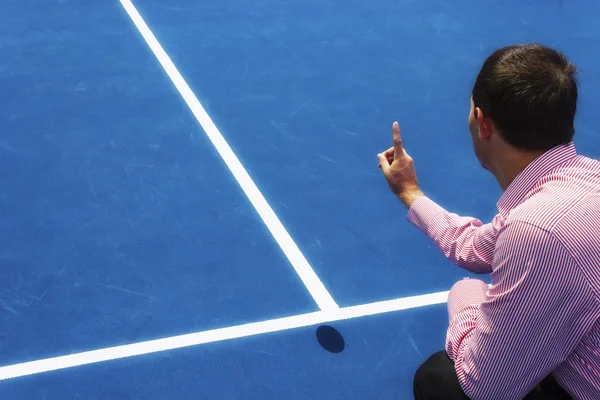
(397, 140)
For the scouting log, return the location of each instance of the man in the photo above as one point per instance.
(535, 332)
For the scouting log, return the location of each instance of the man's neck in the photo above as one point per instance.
(511, 163)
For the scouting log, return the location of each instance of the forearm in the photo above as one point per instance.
(465, 241)
(409, 197)
(464, 293)
(464, 300)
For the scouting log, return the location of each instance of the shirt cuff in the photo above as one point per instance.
(422, 213)
(465, 293)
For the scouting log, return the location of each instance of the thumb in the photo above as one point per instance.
(383, 163)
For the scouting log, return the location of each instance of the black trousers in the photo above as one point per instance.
(436, 379)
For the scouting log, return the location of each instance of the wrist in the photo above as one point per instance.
(408, 197)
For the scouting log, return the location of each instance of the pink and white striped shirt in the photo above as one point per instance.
(541, 314)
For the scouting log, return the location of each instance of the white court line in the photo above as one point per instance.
(217, 335)
(287, 244)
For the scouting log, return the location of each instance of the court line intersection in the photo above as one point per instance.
(220, 334)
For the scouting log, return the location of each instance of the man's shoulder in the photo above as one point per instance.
(567, 197)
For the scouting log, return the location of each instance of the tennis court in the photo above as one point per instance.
(188, 190)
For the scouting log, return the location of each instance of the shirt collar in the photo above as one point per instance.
(524, 182)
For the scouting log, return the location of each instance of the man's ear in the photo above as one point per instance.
(484, 124)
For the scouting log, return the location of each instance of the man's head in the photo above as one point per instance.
(523, 102)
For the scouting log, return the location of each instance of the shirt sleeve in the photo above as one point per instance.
(537, 309)
(465, 241)
(464, 293)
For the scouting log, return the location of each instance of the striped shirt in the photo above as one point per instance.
(541, 313)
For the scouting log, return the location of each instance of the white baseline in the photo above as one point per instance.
(217, 335)
(287, 244)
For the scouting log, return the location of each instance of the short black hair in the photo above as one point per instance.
(529, 91)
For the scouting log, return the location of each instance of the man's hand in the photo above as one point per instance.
(399, 170)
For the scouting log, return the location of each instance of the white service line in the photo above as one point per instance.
(283, 238)
(216, 335)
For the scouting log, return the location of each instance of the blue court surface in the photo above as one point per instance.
(188, 189)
